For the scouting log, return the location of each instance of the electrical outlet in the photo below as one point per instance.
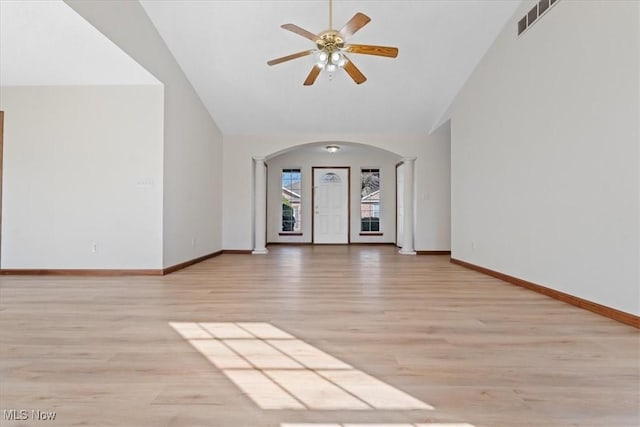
(193, 242)
(144, 182)
(94, 247)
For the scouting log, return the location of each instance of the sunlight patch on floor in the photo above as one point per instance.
(314, 391)
(377, 425)
(278, 371)
(262, 390)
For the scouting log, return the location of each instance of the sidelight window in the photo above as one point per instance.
(370, 200)
(291, 199)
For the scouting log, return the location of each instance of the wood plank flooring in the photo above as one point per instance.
(100, 351)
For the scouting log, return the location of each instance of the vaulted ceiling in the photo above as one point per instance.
(46, 43)
(223, 47)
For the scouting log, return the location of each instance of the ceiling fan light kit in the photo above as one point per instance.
(330, 62)
(331, 48)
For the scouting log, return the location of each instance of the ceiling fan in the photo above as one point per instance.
(330, 51)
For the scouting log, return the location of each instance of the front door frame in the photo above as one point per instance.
(313, 202)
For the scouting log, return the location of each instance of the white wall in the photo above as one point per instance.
(432, 180)
(192, 216)
(74, 159)
(352, 155)
(545, 179)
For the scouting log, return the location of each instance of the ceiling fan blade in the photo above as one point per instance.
(289, 57)
(353, 72)
(313, 75)
(358, 21)
(301, 32)
(390, 52)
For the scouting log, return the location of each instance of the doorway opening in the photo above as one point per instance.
(317, 196)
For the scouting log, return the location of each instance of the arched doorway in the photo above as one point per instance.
(286, 208)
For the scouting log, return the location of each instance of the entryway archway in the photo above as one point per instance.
(285, 190)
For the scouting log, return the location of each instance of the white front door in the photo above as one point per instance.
(330, 205)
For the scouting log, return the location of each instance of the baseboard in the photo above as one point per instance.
(290, 243)
(77, 272)
(186, 264)
(237, 251)
(109, 272)
(372, 243)
(433, 252)
(328, 244)
(611, 313)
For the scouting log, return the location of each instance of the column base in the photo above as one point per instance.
(403, 252)
(259, 251)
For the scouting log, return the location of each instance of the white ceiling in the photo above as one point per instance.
(48, 43)
(223, 47)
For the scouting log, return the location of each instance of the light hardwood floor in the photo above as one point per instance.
(101, 352)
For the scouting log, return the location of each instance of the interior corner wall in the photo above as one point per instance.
(433, 192)
(82, 177)
(192, 163)
(432, 179)
(545, 163)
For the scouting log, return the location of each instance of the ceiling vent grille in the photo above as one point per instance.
(534, 14)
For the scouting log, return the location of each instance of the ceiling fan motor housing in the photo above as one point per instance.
(330, 41)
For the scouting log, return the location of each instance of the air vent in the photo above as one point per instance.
(522, 25)
(534, 14)
(543, 6)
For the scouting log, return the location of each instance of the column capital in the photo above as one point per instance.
(409, 159)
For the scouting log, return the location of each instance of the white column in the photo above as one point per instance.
(408, 199)
(260, 206)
